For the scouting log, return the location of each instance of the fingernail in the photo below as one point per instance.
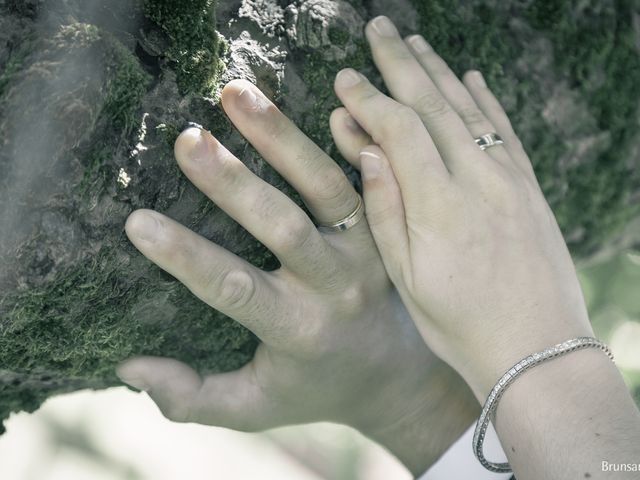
(146, 227)
(383, 26)
(419, 44)
(347, 78)
(247, 99)
(370, 165)
(479, 79)
(351, 124)
(198, 144)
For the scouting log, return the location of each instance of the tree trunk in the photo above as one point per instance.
(93, 95)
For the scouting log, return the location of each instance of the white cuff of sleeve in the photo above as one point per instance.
(459, 462)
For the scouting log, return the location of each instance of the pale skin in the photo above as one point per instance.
(337, 343)
(467, 240)
(477, 256)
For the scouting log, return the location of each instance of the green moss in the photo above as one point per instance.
(50, 341)
(318, 75)
(44, 327)
(596, 53)
(125, 85)
(48, 329)
(170, 133)
(47, 334)
(195, 49)
(20, 7)
(338, 36)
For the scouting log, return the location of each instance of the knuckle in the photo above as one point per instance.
(209, 279)
(353, 298)
(331, 184)
(438, 67)
(398, 52)
(432, 104)
(237, 290)
(292, 231)
(377, 217)
(307, 340)
(471, 115)
(402, 120)
(316, 337)
(368, 94)
(496, 176)
(312, 342)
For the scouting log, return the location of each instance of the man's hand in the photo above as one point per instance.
(337, 343)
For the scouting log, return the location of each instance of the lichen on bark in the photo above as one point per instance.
(194, 48)
(93, 94)
(76, 297)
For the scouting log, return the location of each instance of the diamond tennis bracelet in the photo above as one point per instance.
(508, 378)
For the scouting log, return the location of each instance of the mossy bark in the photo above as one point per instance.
(93, 94)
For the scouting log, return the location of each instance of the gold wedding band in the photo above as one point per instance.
(347, 222)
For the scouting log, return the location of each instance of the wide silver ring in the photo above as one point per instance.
(345, 223)
(489, 140)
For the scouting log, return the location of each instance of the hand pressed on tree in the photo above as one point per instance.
(337, 343)
(477, 256)
(466, 235)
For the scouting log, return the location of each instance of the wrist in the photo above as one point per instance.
(483, 370)
(576, 403)
(430, 425)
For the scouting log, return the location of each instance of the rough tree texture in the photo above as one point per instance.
(93, 94)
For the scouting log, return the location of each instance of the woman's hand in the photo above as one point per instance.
(337, 343)
(466, 235)
(477, 256)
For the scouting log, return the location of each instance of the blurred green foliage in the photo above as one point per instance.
(612, 292)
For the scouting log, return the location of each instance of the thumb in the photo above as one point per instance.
(171, 384)
(231, 399)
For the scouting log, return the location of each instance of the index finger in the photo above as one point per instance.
(399, 131)
(216, 276)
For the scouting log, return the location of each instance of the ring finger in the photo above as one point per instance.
(457, 95)
(489, 104)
